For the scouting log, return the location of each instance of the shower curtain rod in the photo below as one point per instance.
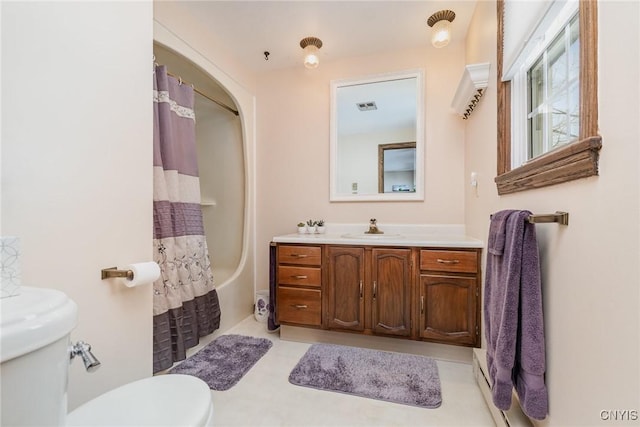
(226, 107)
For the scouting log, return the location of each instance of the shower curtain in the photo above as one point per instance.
(185, 302)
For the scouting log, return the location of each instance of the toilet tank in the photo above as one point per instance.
(34, 356)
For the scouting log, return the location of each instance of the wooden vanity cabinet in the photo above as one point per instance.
(449, 309)
(369, 289)
(299, 290)
(427, 294)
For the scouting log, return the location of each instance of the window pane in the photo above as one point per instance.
(536, 85)
(574, 50)
(559, 120)
(574, 110)
(536, 132)
(557, 58)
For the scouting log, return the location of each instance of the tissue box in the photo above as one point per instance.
(9, 266)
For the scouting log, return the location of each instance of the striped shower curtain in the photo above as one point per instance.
(185, 302)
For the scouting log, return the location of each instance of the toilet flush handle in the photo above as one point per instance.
(82, 349)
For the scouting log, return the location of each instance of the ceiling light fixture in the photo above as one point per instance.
(441, 24)
(311, 47)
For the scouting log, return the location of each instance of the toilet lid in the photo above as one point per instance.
(164, 400)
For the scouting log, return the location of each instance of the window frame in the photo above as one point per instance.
(575, 160)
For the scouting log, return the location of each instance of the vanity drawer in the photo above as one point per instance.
(300, 306)
(455, 261)
(302, 276)
(301, 255)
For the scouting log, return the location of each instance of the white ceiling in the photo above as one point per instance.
(347, 28)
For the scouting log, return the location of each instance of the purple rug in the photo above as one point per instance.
(225, 360)
(394, 377)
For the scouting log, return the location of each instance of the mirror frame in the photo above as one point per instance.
(418, 195)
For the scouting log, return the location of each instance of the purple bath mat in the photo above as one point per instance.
(394, 377)
(225, 360)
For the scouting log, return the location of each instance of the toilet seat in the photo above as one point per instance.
(164, 400)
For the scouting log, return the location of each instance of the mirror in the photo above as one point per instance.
(377, 142)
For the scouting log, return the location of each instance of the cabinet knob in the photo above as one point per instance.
(299, 276)
(299, 255)
(300, 306)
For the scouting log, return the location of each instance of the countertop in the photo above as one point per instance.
(391, 239)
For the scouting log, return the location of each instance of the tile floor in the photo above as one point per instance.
(264, 396)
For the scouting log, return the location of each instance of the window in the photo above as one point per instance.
(552, 89)
(547, 103)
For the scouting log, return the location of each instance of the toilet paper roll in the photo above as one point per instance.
(143, 273)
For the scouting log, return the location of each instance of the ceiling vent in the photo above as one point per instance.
(367, 106)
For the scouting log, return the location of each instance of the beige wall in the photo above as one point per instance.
(293, 146)
(184, 26)
(590, 269)
(77, 132)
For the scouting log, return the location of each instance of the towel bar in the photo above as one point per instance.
(559, 217)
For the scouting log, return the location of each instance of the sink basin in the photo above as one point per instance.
(371, 236)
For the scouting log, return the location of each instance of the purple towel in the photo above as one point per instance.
(497, 232)
(514, 325)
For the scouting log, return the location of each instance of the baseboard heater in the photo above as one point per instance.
(514, 417)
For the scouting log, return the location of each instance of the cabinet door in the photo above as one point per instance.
(345, 288)
(448, 308)
(391, 295)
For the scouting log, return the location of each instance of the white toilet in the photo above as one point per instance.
(35, 356)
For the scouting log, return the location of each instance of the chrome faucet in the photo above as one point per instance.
(373, 227)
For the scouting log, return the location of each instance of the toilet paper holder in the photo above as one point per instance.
(109, 273)
(136, 274)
